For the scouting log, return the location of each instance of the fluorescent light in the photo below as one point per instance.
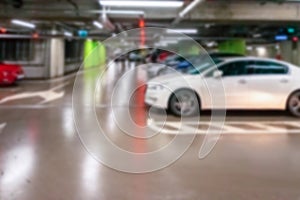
(125, 12)
(261, 51)
(169, 42)
(211, 44)
(22, 23)
(189, 7)
(161, 44)
(119, 12)
(98, 24)
(166, 4)
(249, 48)
(187, 31)
(68, 34)
(207, 26)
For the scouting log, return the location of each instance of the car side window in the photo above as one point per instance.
(236, 68)
(267, 68)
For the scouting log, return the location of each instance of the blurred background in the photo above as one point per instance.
(48, 47)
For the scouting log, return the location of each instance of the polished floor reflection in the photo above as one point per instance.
(42, 157)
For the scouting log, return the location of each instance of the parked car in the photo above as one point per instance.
(10, 73)
(155, 69)
(163, 56)
(185, 64)
(198, 59)
(249, 83)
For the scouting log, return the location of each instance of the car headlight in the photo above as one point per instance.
(155, 87)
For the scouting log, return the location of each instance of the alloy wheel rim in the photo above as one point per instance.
(184, 104)
(295, 103)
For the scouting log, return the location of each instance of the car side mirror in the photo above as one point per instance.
(217, 74)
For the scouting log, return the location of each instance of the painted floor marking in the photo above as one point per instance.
(233, 127)
(47, 95)
(2, 126)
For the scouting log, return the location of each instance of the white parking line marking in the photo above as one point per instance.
(297, 124)
(2, 126)
(47, 95)
(233, 127)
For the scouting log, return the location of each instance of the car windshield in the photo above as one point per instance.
(203, 66)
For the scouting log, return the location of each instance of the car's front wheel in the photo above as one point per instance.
(184, 103)
(293, 104)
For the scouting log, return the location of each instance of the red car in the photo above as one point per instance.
(10, 73)
(162, 56)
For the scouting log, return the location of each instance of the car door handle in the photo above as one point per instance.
(284, 80)
(242, 81)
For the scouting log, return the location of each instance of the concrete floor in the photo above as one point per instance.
(42, 157)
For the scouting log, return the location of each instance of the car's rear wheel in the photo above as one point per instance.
(293, 104)
(184, 103)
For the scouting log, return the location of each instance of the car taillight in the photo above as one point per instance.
(4, 73)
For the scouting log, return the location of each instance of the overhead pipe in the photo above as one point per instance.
(75, 6)
(185, 11)
(106, 22)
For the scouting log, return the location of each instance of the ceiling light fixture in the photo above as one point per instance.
(119, 12)
(68, 34)
(257, 35)
(186, 31)
(22, 23)
(98, 24)
(250, 48)
(165, 4)
(189, 7)
(211, 44)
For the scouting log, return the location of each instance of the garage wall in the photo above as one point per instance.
(263, 51)
(44, 58)
(29, 53)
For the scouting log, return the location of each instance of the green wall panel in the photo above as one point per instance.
(233, 46)
(94, 54)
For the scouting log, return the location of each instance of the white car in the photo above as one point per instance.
(235, 83)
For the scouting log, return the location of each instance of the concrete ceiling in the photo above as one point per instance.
(215, 19)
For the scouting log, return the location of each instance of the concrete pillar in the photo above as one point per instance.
(296, 53)
(263, 51)
(286, 51)
(57, 57)
(290, 52)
